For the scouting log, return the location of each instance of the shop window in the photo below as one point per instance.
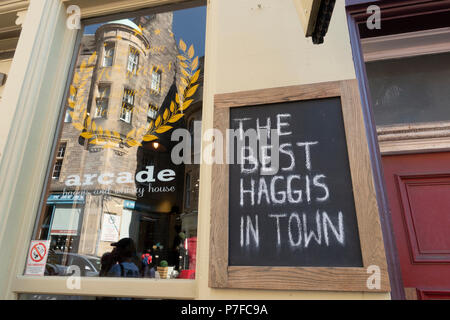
(109, 54)
(156, 81)
(410, 90)
(121, 200)
(133, 60)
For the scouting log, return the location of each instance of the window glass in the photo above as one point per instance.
(117, 203)
(410, 90)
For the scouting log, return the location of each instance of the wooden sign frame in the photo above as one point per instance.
(221, 275)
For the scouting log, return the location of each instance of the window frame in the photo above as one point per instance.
(16, 282)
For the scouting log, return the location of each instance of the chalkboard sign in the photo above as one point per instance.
(298, 210)
(303, 212)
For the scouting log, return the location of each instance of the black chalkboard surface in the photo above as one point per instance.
(304, 215)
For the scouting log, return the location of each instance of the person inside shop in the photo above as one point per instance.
(126, 260)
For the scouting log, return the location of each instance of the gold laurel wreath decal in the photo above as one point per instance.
(106, 138)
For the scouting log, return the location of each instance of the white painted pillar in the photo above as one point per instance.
(31, 106)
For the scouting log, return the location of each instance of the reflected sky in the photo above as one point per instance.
(188, 24)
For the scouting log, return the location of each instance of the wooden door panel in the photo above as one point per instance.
(426, 214)
(418, 189)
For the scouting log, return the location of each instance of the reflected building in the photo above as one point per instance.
(127, 74)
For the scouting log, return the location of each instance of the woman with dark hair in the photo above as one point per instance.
(107, 260)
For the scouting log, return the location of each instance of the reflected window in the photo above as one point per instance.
(102, 100)
(73, 94)
(127, 105)
(67, 117)
(156, 81)
(151, 113)
(133, 60)
(57, 168)
(117, 204)
(59, 161)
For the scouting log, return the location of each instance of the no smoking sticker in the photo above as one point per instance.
(37, 257)
(38, 252)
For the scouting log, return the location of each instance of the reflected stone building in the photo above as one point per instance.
(127, 75)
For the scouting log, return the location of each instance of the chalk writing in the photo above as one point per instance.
(302, 214)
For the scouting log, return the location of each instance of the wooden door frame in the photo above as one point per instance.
(392, 13)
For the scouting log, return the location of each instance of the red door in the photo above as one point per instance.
(418, 189)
